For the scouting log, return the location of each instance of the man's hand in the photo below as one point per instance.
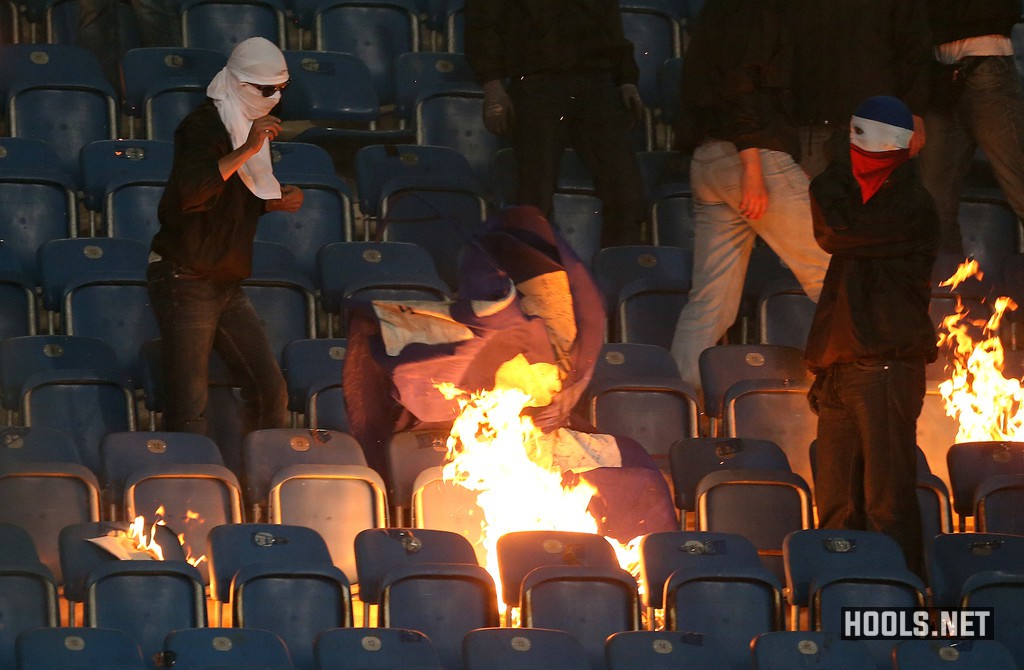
(918, 138)
(263, 129)
(290, 200)
(753, 195)
(499, 115)
(631, 99)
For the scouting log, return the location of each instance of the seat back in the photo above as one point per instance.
(761, 505)
(376, 32)
(210, 24)
(953, 558)
(588, 602)
(86, 404)
(415, 71)
(968, 655)
(143, 67)
(45, 497)
(781, 650)
(408, 454)
(308, 361)
(521, 552)
(146, 599)
(723, 366)
(380, 550)
(535, 648)
(338, 501)
(971, 463)
(997, 505)
(268, 451)
(59, 648)
(29, 602)
(662, 554)
(693, 458)
(408, 600)
(111, 163)
(22, 357)
(227, 648)
(123, 453)
(450, 117)
(63, 261)
(375, 649)
(329, 85)
(774, 410)
(661, 650)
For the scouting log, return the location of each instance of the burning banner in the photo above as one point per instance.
(506, 362)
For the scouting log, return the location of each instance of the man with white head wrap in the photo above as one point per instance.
(872, 336)
(221, 183)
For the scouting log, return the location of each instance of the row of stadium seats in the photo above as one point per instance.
(710, 588)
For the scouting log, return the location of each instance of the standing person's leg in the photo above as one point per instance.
(787, 226)
(839, 458)
(242, 343)
(944, 163)
(187, 311)
(98, 32)
(722, 245)
(885, 399)
(159, 23)
(993, 110)
(539, 135)
(604, 125)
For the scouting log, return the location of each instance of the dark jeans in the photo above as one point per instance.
(100, 30)
(584, 111)
(867, 450)
(988, 114)
(195, 317)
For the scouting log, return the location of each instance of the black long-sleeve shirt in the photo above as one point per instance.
(953, 20)
(850, 50)
(874, 301)
(736, 77)
(207, 223)
(516, 38)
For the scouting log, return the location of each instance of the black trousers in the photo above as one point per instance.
(584, 111)
(866, 472)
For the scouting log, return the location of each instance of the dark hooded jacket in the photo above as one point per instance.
(874, 302)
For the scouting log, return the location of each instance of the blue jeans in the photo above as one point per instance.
(866, 474)
(724, 238)
(988, 114)
(197, 316)
(584, 111)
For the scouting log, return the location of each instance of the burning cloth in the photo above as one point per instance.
(523, 294)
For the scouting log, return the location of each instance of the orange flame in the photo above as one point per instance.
(499, 453)
(137, 534)
(151, 546)
(986, 405)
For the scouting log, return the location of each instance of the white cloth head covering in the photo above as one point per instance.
(257, 61)
(881, 123)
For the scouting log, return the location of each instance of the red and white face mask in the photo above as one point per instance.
(876, 150)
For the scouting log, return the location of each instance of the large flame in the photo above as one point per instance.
(986, 405)
(499, 453)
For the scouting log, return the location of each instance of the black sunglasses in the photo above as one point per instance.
(267, 90)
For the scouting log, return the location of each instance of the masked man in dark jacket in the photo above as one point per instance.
(872, 336)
